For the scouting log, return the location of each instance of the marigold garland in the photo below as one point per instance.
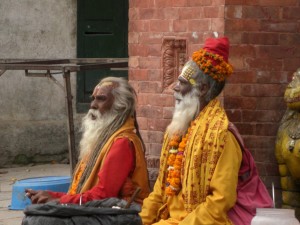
(205, 59)
(176, 148)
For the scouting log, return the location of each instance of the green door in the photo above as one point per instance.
(102, 32)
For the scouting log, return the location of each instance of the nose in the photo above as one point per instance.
(93, 104)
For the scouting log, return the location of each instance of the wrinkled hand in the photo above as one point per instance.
(38, 197)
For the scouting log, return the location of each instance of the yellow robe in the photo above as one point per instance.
(158, 209)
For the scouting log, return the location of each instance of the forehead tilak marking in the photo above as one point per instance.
(187, 72)
(108, 84)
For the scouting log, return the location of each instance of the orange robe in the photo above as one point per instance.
(138, 177)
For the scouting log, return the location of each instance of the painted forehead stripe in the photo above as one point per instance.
(187, 72)
(107, 84)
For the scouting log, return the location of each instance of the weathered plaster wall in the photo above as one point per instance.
(32, 110)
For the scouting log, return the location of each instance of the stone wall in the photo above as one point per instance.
(33, 119)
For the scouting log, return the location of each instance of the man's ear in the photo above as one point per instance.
(203, 89)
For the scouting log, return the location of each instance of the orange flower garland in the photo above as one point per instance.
(176, 148)
(205, 59)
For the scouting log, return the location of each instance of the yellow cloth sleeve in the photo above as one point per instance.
(152, 204)
(222, 188)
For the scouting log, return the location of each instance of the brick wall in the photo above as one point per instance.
(265, 52)
(150, 22)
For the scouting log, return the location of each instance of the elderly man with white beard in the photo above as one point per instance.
(111, 160)
(200, 158)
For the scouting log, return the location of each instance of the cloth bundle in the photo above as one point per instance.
(105, 212)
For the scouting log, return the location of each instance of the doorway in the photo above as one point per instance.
(102, 32)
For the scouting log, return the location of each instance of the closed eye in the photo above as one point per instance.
(182, 81)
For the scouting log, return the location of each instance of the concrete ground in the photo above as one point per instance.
(7, 178)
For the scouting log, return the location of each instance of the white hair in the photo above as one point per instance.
(91, 129)
(97, 127)
(186, 109)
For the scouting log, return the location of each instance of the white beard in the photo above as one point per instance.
(186, 109)
(93, 124)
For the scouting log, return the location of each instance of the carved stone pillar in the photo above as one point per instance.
(174, 55)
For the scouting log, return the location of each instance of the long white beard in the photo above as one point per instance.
(186, 109)
(93, 124)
